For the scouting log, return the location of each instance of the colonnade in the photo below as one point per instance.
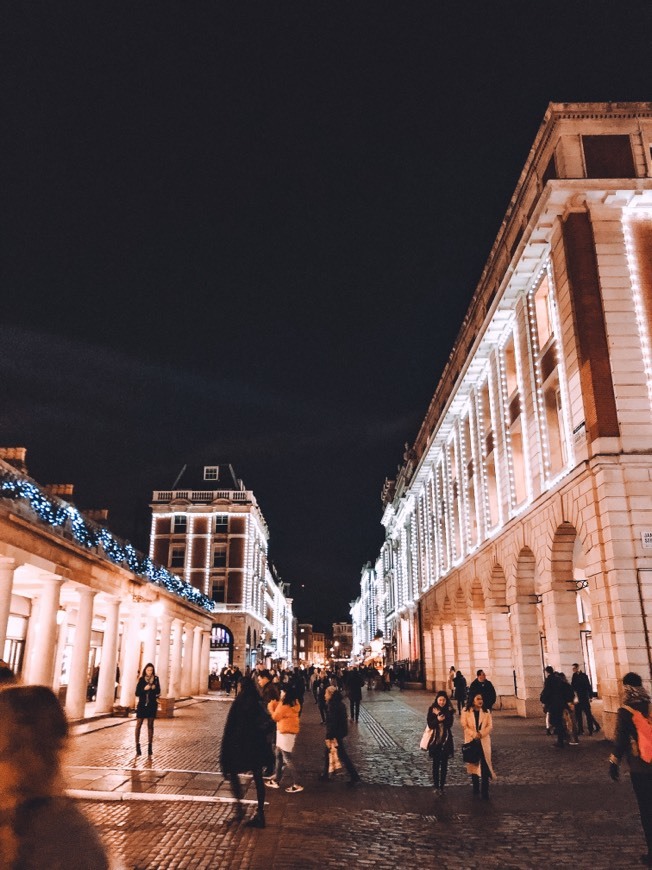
(134, 633)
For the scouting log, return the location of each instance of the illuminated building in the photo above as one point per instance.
(210, 530)
(519, 529)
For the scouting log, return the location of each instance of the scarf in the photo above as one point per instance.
(635, 696)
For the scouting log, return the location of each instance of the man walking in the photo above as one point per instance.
(482, 686)
(582, 688)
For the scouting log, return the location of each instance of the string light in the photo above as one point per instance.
(639, 305)
(59, 514)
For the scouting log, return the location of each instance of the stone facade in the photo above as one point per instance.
(519, 530)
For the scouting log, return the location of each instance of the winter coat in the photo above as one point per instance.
(286, 716)
(486, 689)
(442, 736)
(460, 687)
(336, 722)
(467, 721)
(246, 743)
(354, 684)
(147, 699)
(626, 738)
(553, 695)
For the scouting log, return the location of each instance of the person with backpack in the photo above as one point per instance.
(634, 739)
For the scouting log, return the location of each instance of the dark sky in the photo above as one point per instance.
(249, 233)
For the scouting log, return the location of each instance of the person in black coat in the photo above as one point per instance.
(583, 689)
(337, 729)
(354, 684)
(246, 746)
(148, 689)
(459, 681)
(482, 686)
(554, 699)
(440, 718)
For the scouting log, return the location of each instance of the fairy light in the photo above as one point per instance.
(563, 380)
(637, 293)
(477, 489)
(538, 378)
(504, 402)
(190, 543)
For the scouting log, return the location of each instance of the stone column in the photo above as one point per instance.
(175, 665)
(151, 634)
(62, 638)
(44, 650)
(186, 670)
(205, 661)
(131, 658)
(196, 659)
(500, 668)
(7, 568)
(105, 696)
(527, 656)
(78, 682)
(562, 629)
(163, 665)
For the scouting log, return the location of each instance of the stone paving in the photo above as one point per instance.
(548, 807)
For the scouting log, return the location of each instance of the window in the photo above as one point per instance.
(179, 524)
(218, 591)
(221, 524)
(177, 557)
(219, 557)
(211, 472)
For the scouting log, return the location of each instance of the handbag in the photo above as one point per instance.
(425, 739)
(471, 752)
(334, 762)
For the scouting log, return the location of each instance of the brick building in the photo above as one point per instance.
(519, 529)
(211, 531)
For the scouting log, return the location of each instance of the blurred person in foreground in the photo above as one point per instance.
(39, 826)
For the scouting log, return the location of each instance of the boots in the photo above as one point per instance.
(138, 749)
(258, 820)
(476, 783)
(150, 751)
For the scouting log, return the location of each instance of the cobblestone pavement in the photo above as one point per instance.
(548, 807)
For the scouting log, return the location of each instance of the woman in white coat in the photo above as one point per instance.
(478, 725)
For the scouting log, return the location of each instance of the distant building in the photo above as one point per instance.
(210, 530)
(342, 640)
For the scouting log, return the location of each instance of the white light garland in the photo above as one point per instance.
(639, 304)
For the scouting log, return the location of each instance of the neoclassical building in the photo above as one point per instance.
(519, 529)
(209, 529)
(74, 598)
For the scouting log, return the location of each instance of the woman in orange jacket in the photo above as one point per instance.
(285, 713)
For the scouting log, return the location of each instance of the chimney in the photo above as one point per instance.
(15, 456)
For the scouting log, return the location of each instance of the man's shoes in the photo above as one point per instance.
(293, 789)
(271, 783)
(573, 743)
(258, 821)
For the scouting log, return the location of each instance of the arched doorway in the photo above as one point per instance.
(221, 651)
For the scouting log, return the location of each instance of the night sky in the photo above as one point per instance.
(249, 234)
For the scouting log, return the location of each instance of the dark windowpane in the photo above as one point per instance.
(608, 157)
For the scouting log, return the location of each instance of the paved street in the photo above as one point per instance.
(549, 807)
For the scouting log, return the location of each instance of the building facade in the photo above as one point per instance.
(519, 529)
(80, 608)
(210, 531)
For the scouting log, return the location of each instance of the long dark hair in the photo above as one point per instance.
(441, 694)
(144, 676)
(291, 696)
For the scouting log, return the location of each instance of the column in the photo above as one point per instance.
(78, 682)
(205, 661)
(196, 660)
(500, 668)
(186, 670)
(7, 568)
(149, 646)
(175, 664)
(106, 682)
(42, 666)
(131, 658)
(163, 665)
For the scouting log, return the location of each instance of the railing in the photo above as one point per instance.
(203, 495)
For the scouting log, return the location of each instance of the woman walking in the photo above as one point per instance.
(286, 713)
(246, 746)
(440, 718)
(337, 729)
(460, 691)
(148, 689)
(39, 826)
(478, 725)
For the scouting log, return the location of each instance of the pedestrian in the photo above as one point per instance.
(486, 688)
(322, 684)
(633, 740)
(450, 681)
(477, 725)
(286, 713)
(553, 698)
(246, 747)
(354, 684)
(39, 826)
(583, 689)
(460, 691)
(337, 729)
(440, 718)
(568, 713)
(269, 690)
(148, 689)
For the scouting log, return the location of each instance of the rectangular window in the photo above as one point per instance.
(179, 524)
(177, 557)
(211, 472)
(608, 157)
(219, 557)
(218, 591)
(221, 524)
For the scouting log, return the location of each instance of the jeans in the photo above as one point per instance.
(439, 767)
(354, 704)
(284, 760)
(584, 707)
(236, 788)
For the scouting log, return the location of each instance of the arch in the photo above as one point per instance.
(526, 636)
(498, 586)
(562, 640)
(221, 647)
(479, 657)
